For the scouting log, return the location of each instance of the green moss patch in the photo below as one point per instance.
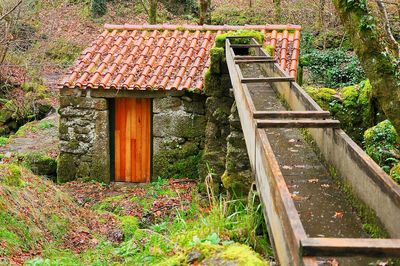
(381, 143)
(220, 39)
(40, 164)
(351, 105)
(10, 175)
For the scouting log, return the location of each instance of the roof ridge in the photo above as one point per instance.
(225, 27)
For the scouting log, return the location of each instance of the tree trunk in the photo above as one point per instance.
(153, 12)
(380, 66)
(277, 11)
(205, 14)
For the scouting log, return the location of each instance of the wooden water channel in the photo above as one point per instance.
(370, 184)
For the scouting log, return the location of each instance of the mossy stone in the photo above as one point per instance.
(40, 164)
(180, 161)
(216, 56)
(66, 170)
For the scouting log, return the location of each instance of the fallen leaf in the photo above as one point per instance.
(287, 167)
(313, 180)
(338, 215)
(292, 140)
(325, 185)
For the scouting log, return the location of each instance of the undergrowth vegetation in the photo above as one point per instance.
(163, 223)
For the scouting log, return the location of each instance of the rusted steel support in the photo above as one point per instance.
(265, 123)
(291, 114)
(350, 247)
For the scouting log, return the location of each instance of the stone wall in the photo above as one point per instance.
(178, 131)
(84, 139)
(237, 177)
(225, 150)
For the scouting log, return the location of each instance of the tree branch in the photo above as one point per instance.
(11, 10)
(145, 8)
(392, 40)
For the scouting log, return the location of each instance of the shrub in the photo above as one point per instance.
(381, 144)
(63, 52)
(99, 8)
(332, 68)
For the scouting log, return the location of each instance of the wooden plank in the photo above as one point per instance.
(128, 155)
(291, 114)
(267, 79)
(134, 139)
(117, 154)
(328, 123)
(122, 137)
(139, 139)
(350, 247)
(249, 61)
(251, 57)
(245, 45)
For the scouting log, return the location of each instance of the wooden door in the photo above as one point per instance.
(132, 140)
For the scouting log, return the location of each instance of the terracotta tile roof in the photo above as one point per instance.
(165, 57)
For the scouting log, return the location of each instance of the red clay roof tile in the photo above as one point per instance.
(166, 57)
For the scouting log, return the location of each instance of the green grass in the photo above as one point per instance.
(170, 240)
(3, 141)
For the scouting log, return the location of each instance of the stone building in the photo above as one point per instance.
(154, 100)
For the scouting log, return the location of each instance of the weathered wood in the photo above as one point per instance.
(267, 79)
(132, 139)
(249, 61)
(251, 57)
(265, 123)
(350, 247)
(279, 210)
(246, 45)
(291, 114)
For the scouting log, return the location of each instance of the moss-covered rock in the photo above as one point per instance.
(351, 105)
(177, 162)
(217, 55)
(395, 173)
(40, 164)
(212, 254)
(66, 169)
(323, 96)
(381, 144)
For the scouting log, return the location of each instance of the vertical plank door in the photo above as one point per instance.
(132, 140)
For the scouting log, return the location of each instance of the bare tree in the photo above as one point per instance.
(205, 12)
(150, 6)
(277, 11)
(386, 25)
(9, 14)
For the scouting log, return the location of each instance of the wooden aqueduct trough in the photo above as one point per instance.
(369, 183)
